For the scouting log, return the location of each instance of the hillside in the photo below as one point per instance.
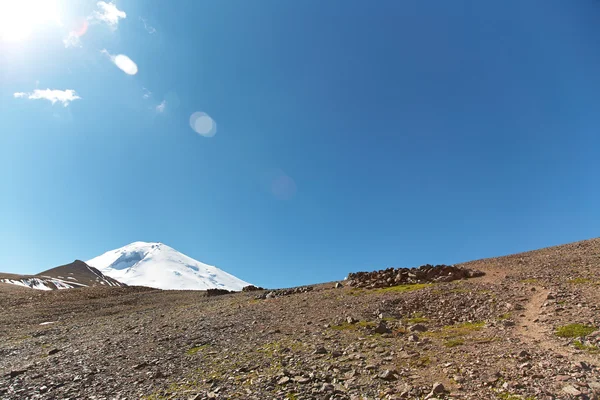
(527, 329)
(74, 275)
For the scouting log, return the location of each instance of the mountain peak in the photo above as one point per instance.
(157, 265)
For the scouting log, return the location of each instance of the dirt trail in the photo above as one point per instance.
(531, 330)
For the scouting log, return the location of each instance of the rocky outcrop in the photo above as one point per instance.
(217, 292)
(251, 288)
(399, 276)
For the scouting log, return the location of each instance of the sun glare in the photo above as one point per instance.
(19, 18)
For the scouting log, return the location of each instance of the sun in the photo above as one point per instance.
(20, 18)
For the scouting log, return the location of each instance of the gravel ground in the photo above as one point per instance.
(528, 329)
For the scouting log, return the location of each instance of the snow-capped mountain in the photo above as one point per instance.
(160, 266)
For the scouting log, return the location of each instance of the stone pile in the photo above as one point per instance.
(252, 288)
(400, 276)
(284, 292)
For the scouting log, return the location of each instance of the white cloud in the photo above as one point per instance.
(52, 95)
(108, 13)
(149, 28)
(72, 40)
(147, 94)
(161, 107)
(124, 63)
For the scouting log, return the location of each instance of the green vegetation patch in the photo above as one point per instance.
(590, 349)
(580, 281)
(454, 342)
(531, 281)
(403, 288)
(461, 290)
(193, 350)
(458, 330)
(510, 396)
(416, 318)
(574, 330)
(504, 317)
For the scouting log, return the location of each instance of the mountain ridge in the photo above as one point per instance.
(68, 276)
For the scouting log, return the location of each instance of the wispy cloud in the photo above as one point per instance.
(108, 13)
(147, 94)
(149, 28)
(161, 107)
(52, 95)
(72, 40)
(124, 63)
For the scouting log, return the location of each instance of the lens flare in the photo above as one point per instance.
(126, 64)
(203, 124)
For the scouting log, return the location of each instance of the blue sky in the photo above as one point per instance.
(349, 135)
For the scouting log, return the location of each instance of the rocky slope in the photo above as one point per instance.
(527, 329)
(74, 275)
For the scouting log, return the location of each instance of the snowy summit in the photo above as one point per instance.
(160, 266)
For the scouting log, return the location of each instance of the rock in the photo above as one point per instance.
(53, 351)
(140, 366)
(583, 365)
(16, 372)
(382, 328)
(320, 350)
(351, 320)
(327, 387)
(524, 354)
(438, 388)
(336, 353)
(563, 378)
(338, 285)
(302, 379)
(283, 380)
(417, 328)
(387, 375)
(571, 390)
(413, 338)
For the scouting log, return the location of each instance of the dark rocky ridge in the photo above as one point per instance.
(80, 272)
(74, 275)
